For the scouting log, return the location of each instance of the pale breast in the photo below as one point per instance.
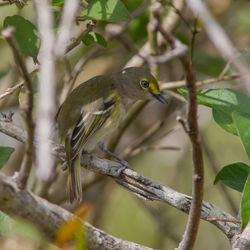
(108, 128)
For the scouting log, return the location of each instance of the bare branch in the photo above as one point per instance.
(142, 186)
(26, 109)
(49, 218)
(151, 190)
(65, 29)
(169, 23)
(46, 102)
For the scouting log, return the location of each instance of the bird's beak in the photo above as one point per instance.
(160, 98)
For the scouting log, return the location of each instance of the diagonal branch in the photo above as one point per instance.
(49, 217)
(142, 186)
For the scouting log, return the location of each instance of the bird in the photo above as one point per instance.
(93, 111)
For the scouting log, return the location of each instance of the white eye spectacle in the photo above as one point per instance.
(144, 84)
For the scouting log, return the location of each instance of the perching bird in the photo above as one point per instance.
(94, 110)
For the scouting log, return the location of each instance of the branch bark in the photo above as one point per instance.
(26, 109)
(49, 217)
(142, 186)
(46, 101)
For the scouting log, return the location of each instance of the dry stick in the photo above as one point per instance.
(26, 110)
(182, 83)
(212, 161)
(191, 230)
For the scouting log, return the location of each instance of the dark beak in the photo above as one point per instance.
(160, 98)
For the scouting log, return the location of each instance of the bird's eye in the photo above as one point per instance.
(144, 84)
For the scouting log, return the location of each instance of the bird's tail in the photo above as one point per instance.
(74, 185)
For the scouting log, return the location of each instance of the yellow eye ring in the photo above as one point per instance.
(144, 84)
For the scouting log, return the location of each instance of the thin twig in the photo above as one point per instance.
(26, 109)
(169, 23)
(191, 230)
(12, 90)
(225, 220)
(179, 13)
(182, 83)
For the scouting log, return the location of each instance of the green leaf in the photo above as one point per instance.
(5, 153)
(243, 127)
(234, 175)
(94, 38)
(106, 10)
(223, 102)
(245, 204)
(26, 34)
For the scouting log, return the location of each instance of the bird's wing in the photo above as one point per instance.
(92, 118)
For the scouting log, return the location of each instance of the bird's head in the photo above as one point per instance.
(139, 83)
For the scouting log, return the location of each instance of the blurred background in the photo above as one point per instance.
(118, 211)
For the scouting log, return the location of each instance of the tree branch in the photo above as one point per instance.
(243, 241)
(49, 218)
(142, 186)
(65, 29)
(192, 226)
(26, 109)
